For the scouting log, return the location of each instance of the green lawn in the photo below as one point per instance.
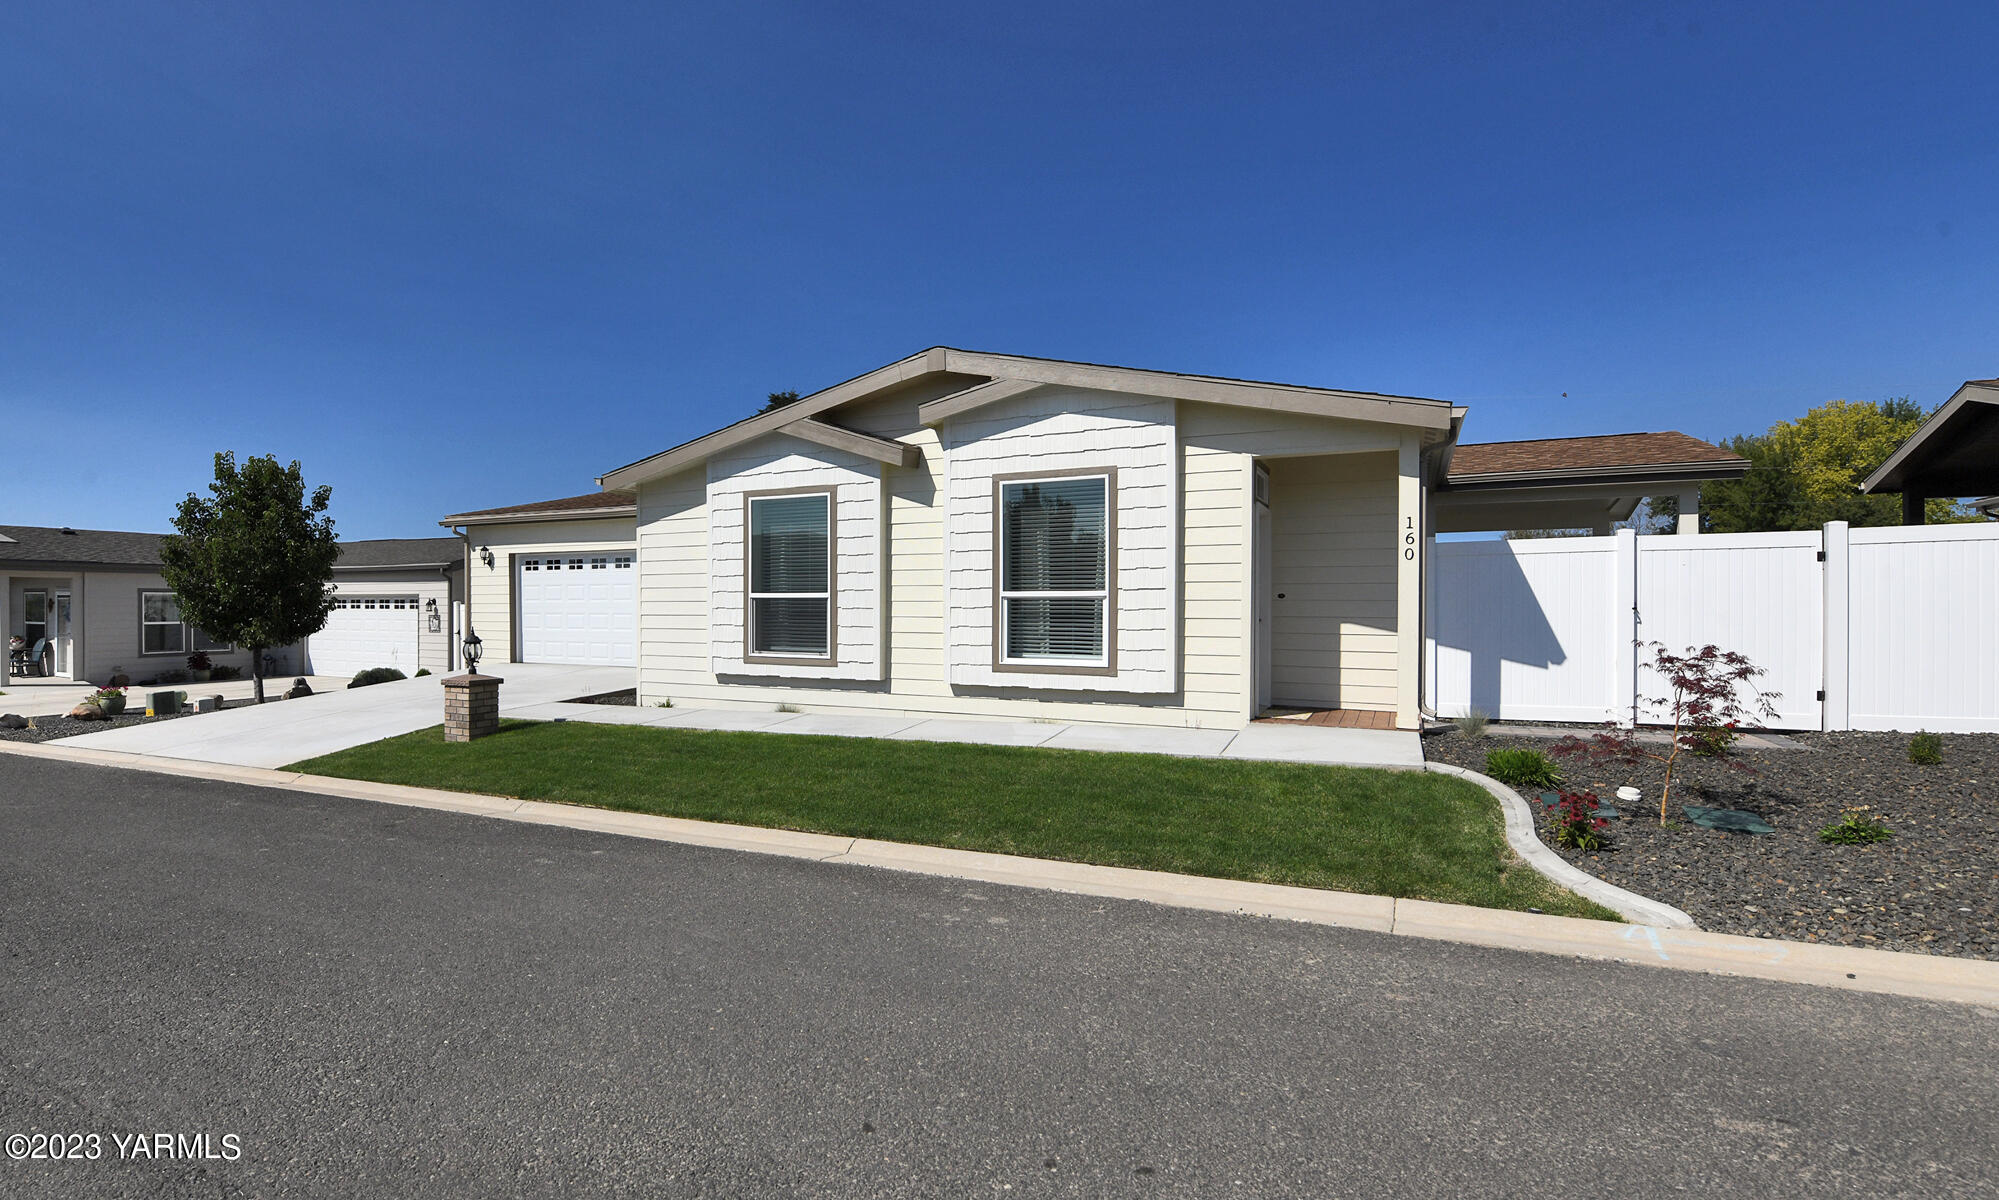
(1385, 832)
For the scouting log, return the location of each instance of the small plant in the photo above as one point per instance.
(787, 708)
(374, 675)
(199, 661)
(422, 671)
(664, 704)
(1926, 749)
(1473, 723)
(1855, 827)
(1576, 824)
(1711, 742)
(1522, 769)
(1707, 686)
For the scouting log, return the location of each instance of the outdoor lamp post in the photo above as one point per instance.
(471, 700)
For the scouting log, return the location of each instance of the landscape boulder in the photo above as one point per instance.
(86, 712)
(298, 688)
(13, 721)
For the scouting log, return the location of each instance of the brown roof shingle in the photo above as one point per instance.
(1606, 452)
(567, 504)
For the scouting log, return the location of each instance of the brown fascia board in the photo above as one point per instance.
(1032, 372)
(1721, 468)
(835, 437)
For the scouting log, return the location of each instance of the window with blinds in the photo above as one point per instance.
(791, 575)
(1054, 569)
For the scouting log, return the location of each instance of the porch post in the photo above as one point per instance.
(6, 619)
(1690, 511)
(1408, 583)
(1912, 508)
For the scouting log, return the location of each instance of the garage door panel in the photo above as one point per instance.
(579, 609)
(368, 631)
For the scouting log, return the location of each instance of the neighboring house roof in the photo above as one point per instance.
(1955, 453)
(24, 546)
(970, 379)
(401, 553)
(1593, 459)
(568, 508)
(1989, 505)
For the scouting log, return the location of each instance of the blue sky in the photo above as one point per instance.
(452, 257)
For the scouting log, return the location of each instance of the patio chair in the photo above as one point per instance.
(33, 657)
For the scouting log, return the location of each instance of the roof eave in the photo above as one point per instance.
(1732, 468)
(567, 514)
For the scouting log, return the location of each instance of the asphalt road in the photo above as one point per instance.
(379, 1001)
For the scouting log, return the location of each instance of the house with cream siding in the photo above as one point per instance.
(994, 536)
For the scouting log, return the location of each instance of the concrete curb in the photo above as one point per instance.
(1521, 835)
(1923, 976)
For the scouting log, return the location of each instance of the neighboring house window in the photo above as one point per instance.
(160, 628)
(1054, 571)
(791, 576)
(202, 641)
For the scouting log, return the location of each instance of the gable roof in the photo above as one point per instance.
(24, 546)
(1955, 453)
(976, 372)
(568, 508)
(1614, 454)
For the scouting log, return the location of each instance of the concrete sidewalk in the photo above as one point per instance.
(1263, 742)
(273, 734)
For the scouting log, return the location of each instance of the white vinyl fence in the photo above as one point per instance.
(1857, 628)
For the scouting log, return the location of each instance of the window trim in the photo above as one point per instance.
(1037, 666)
(832, 656)
(182, 650)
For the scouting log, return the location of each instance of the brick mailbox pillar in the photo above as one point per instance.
(471, 707)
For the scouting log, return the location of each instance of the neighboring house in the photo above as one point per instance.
(996, 536)
(1955, 453)
(1989, 505)
(98, 602)
(555, 581)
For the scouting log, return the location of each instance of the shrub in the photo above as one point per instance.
(1711, 742)
(375, 675)
(787, 708)
(225, 674)
(1855, 827)
(1522, 768)
(199, 661)
(664, 704)
(422, 671)
(1473, 723)
(1926, 749)
(1576, 824)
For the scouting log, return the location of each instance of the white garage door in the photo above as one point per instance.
(578, 608)
(368, 631)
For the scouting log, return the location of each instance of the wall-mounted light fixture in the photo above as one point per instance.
(432, 619)
(486, 555)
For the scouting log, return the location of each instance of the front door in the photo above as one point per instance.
(59, 636)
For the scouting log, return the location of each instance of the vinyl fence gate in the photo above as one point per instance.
(1892, 628)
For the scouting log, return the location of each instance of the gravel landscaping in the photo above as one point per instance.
(1933, 887)
(49, 729)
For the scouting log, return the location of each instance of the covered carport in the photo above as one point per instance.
(1954, 455)
(1573, 483)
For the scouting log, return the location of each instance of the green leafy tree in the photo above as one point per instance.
(777, 400)
(252, 562)
(1806, 472)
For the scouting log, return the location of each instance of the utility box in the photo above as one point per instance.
(162, 704)
(207, 704)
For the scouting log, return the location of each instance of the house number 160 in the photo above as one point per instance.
(1409, 538)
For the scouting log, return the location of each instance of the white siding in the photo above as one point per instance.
(433, 649)
(1060, 429)
(782, 463)
(489, 591)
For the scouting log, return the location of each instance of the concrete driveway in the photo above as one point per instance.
(285, 731)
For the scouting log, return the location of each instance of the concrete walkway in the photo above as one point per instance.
(1262, 742)
(285, 731)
